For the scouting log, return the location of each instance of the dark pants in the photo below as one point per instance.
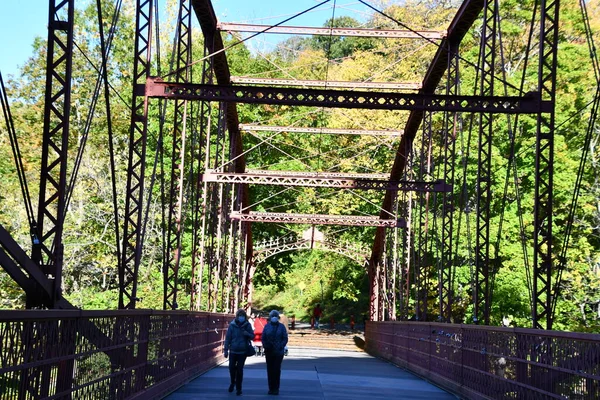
(236, 369)
(273, 370)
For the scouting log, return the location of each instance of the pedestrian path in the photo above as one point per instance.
(317, 374)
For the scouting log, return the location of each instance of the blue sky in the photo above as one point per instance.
(22, 21)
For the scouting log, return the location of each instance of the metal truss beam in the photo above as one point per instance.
(451, 126)
(157, 88)
(132, 229)
(47, 244)
(423, 230)
(178, 161)
(481, 294)
(544, 167)
(318, 219)
(305, 30)
(326, 84)
(261, 254)
(329, 131)
(462, 22)
(322, 180)
(349, 175)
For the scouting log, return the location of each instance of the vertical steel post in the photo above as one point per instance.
(544, 166)
(423, 261)
(47, 244)
(136, 168)
(481, 295)
(176, 223)
(451, 126)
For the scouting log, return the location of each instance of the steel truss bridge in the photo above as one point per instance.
(210, 189)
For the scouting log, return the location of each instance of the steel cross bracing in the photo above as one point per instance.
(317, 219)
(132, 246)
(331, 84)
(451, 127)
(200, 199)
(544, 164)
(322, 180)
(488, 49)
(157, 88)
(462, 22)
(329, 131)
(47, 250)
(178, 160)
(305, 30)
(423, 229)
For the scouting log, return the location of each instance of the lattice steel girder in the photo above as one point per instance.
(306, 30)
(262, 254)
(132, 228)
(329, 131)
(318, 219)
(47, 250)
(333, 84)
(320, 174)
(178, 161)
(342, 99)
(321, 180)
(544, 166)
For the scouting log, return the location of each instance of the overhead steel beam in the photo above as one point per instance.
(321, 180)
(462, 22)
(329, 131)
(157, 88)
(319, 174)
(306, 30)
(318, 219)
(331, 84)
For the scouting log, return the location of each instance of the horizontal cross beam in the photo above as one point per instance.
(333, 84)
(318, 219)
(529, 104)
(306, 30)
(319, 174)
(328, 131)
(324, 180)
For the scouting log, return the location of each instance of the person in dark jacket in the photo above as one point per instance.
(238, 334)
(274, 340)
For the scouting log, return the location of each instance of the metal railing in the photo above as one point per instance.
(105, 354)
(491, 362)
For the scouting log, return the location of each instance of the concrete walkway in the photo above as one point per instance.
(317, 374)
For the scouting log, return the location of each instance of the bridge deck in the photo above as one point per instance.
(317, 374)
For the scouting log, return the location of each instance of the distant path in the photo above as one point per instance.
(317, 374)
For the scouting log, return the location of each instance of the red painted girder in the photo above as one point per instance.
(307, 30)
(335, 84)
(329, 131)
(323, 180)
(318, 219)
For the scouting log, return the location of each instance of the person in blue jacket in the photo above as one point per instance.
(238, 334)
(274, 340)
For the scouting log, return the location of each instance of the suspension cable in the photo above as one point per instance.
(250, 37)
(512, 167)
(14, 143)
(94, 101)
(450, 51)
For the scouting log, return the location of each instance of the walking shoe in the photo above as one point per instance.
(238, 393)
(231, 387)
(276, 391)
(271, 392)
